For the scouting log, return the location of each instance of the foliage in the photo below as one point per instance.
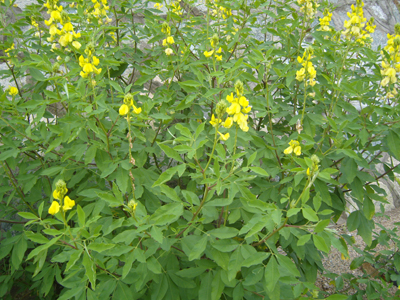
(169, 152)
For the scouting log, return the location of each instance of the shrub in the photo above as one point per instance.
(162, 151)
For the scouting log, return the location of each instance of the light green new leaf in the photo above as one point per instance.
(110, 199)
(320, 243)
(81, 216)
(309, 214)
(90, 269)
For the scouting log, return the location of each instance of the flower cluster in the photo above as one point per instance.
(308, 72)
(308, 8)
(238, 109)
(169, 40)
(214, 41)
(176, 7)
(391, 64)
(220, 11)
(59, 194)
(158, 6)
(60, 19)
(90, 63)
(324, 22)
(98, 11)
(128, 102)
(294, 146)
(358, 27)
(8, 54)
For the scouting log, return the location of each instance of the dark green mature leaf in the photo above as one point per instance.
(36, 74)
(224, 232)
(393, 141)
(167, 214)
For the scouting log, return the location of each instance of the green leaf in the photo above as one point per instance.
(157, 234)
(310, 214)
(18, 252)
(259, 171)
(393, 141)
(224, 232)
(110, 199)
(288, 264)
(100, 247)
(90, 269)
(189, 83)
(320, 243)
(74, 258)
(81, 216)
(167, 214)
(153, 265)
(337, 297)
(217, 286)
(198, 248)
(205, 287)
(36, 74)
(170, 152)
(271, 275)
(52, 171)
(36, 237)
(321, 225)
(36, 251)
(255, 259)
(128, 264)
(167, 175)
(28, 215)
(303, 239)
(235, 264)
(170, 193)
(368, 208)
(90, 154)
(292, 212)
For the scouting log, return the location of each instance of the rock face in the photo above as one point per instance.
(385, 13)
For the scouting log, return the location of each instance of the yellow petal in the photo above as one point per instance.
(54, 208)
(124, 109)
(68, 203)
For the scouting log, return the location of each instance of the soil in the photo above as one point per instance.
(334, 263)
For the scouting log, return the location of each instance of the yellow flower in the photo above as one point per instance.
(214, 122)
(57, 195)
(88, 68)
(246, 110)
(123, 110)
(219, 50)
(308, 172)
(208, 53)
(224, 137)
(233, 109)
(218, 57)
(76, 44)
(164, 42)
(13, 91)
(170, 40)
(228, 122)
(54, 208)
(95, 60)
(230, 98)
(169, 51)
(158, 6)
(68, 203)
(294, 146)
(137, 110)
(243, 101)
(68, 27)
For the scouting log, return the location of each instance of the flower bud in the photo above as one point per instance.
(396, 42)
(56, 66)
(315, 159)
(132, 205)
(239, 88)
(61, 184)
(214, 40)
(397, 29)
(128, 99)
(221, 108)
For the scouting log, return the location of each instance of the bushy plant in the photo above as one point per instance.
(170, 151)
